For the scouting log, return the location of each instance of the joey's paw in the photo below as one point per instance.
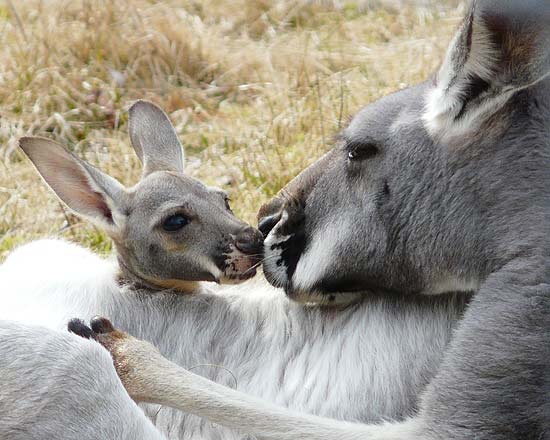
(79, 327)
(103, 331)
(131, 356)
(102, 325)
(100, 329)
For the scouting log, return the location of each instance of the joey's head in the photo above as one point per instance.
(170, 230)
(431, 188)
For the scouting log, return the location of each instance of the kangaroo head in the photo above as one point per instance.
(432, 188)
(169, 229)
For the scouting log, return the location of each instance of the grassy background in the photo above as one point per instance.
(255, 88)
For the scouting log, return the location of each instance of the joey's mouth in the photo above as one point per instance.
(239, 267)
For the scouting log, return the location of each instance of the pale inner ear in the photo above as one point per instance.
(469, 62)
(500, 49)
(80, 193)
(83, 188)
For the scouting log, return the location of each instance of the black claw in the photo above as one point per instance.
(78, 327)
(101, 325)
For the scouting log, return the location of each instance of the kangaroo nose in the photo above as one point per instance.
(249, 241)
(266, 224)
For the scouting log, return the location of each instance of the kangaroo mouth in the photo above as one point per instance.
(239, 267)
(284, 246)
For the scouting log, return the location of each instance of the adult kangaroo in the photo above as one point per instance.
(440, 187)
(173, 236)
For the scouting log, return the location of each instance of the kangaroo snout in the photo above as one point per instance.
(249, 241)
(267, 223)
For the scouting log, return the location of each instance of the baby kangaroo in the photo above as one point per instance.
(170, 231)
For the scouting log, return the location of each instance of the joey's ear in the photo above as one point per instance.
(154, 138)
(502, 46)
(84, 188)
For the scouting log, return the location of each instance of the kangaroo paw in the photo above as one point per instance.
(79, 327)
(131, 357)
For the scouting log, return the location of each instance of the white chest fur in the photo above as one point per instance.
(364, 363)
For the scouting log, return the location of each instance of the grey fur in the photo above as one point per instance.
(151, 128)
(444, 203)
(37, 398)
(207, 248)
(457, 196)
(278, 350)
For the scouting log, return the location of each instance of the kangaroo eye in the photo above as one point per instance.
(174, 222)
(362, 152)
(228, 207)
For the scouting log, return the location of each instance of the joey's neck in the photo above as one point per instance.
(131, 277)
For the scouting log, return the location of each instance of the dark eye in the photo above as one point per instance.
(174, 222)
(362, 152)
(228, 207)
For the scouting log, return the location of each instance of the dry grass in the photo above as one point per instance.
(256, 88)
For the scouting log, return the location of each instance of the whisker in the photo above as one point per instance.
(251, 268)
(157, 413)
(259, 263)
(249, 255)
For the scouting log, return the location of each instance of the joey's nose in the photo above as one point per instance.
(267, 223)
(249, 241)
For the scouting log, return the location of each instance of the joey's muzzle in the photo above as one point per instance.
(249, 241)
(245, 256)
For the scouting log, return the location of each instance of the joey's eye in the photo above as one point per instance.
(174, 222)
(362, 152)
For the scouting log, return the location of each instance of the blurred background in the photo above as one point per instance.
(256, 89)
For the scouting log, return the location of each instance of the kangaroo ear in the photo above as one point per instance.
(501, 47)
(154, 138)
(84, 188)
